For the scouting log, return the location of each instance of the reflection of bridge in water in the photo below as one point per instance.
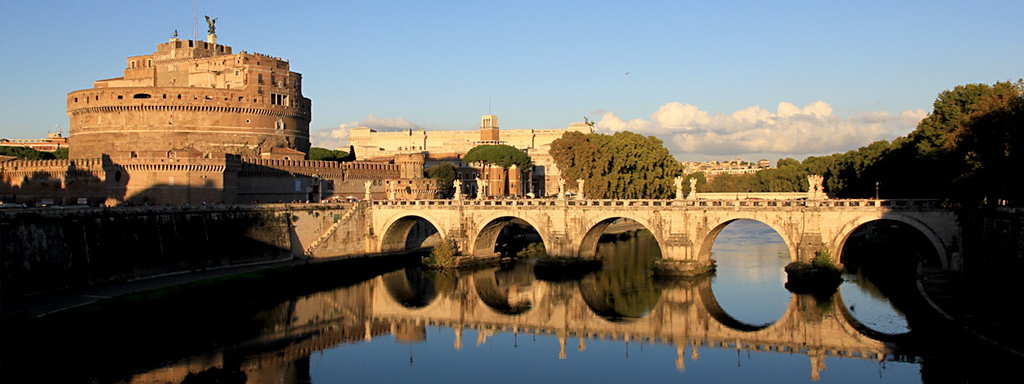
(684, 313)
(404, 303)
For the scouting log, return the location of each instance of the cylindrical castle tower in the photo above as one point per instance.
(195, 96)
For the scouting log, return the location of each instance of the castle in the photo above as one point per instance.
(196, 123)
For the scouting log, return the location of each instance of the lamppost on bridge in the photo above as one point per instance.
(876, 190)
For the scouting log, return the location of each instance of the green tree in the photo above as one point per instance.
(317, 153)
(989, 146)
(502, 155)
(445, 174)
(620, 166)
(23, 153)
(61, 153)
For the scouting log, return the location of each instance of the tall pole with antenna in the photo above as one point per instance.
(195, 22)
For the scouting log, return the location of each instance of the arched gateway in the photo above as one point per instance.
(684, 229)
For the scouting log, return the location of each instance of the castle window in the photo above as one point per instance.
(134, 154)
(279, 124)
(141, 96)
(259, 78)
(76, 99)
(165, 95)
(120, 97)
(179, 96)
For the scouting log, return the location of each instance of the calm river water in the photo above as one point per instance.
(507, 325)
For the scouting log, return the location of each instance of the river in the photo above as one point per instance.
(505, 324)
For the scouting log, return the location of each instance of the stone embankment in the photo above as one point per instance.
(43, 250)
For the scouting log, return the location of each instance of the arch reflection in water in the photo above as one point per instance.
(506, 290)
(749, 282)
(411, 287)
(624, 289)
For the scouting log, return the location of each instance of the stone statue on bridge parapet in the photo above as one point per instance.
(392, 190)
(458, 189)
(366, 190)
(815, 191)
(579, 188)
(693, 190)
(561, 189)
(679, 187)
(481, 188)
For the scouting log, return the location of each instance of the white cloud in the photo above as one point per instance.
(338, 137)
(789, 131)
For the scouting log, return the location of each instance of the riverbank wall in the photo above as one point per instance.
(44, 250)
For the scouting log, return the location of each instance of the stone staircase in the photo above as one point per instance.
(308, 252)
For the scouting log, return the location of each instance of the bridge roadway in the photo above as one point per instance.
(684, 229)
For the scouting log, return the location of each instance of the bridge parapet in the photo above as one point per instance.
(803, 203)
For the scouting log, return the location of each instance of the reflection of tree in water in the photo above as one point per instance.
(625, 288)
(814, 308)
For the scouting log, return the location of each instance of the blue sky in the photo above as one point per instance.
(706, 78)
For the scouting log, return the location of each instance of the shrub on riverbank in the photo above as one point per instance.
(818, 276)
(443, 256)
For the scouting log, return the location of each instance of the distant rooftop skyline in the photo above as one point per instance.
(714, 81)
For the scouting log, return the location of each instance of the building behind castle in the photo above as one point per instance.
(451, 145)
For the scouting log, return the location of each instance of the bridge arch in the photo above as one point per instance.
(485, 238)
(708, 240)
(587, 246)
(395, 232)
(847, 229)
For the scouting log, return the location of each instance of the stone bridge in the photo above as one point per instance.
(684, 229)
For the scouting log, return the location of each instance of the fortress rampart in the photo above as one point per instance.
(113, 120)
